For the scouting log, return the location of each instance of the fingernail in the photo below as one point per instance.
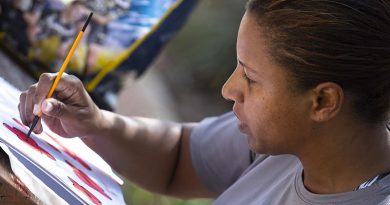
(47, 106)
(36, 109)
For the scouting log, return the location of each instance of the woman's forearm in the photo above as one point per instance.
(143, 150)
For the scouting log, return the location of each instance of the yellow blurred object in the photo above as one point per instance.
(2, 35)
(104, 57)
(79, 60)
(45, 50)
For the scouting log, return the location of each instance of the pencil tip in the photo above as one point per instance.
(29, 133)
(87, 22)
(33, 124)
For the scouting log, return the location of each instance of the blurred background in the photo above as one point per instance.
(182, 82)
(189, 72)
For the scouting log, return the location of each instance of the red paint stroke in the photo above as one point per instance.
(87, 180)
(92, 197)
(26, 128)
(77, 158)
(70, 153)
(30, 141)
(20, 123)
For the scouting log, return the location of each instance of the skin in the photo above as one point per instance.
(337, 151)
(150, 153)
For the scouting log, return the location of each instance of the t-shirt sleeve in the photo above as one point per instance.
(219, 152)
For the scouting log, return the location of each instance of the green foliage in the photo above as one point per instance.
(137, 196)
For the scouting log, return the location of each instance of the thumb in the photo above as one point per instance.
(54, 108)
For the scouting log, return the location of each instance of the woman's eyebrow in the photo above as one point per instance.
(246, 66)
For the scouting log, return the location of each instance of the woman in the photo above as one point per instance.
(311, 94)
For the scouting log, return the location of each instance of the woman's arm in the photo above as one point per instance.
(152, 153)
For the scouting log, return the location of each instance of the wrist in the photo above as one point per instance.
(100, 124)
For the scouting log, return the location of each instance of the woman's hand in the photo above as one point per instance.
(70, 112)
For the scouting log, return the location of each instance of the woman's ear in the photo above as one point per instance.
(327, 100)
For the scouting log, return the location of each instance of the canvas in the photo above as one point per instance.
(57, 170)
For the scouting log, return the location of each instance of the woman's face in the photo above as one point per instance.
(273, 114)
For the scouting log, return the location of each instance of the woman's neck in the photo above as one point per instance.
(342, 161)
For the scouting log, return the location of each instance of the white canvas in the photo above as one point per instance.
(57, 170)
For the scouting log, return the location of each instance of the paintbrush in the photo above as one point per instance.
(62, 70)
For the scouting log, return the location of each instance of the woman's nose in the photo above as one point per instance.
(232, 89)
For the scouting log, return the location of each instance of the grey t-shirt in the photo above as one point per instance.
(225, 165)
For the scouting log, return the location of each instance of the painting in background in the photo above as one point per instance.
(124, 36)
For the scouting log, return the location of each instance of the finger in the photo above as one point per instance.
(42, 89)
(28, 105)
(68, 86)
(22, 102)
(54, 108)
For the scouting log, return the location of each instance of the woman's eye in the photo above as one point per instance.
(250, 81)
(244, 75)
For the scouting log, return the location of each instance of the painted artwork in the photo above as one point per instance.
(57, 170)
(124, 36)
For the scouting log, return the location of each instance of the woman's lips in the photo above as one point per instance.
(242, 126)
